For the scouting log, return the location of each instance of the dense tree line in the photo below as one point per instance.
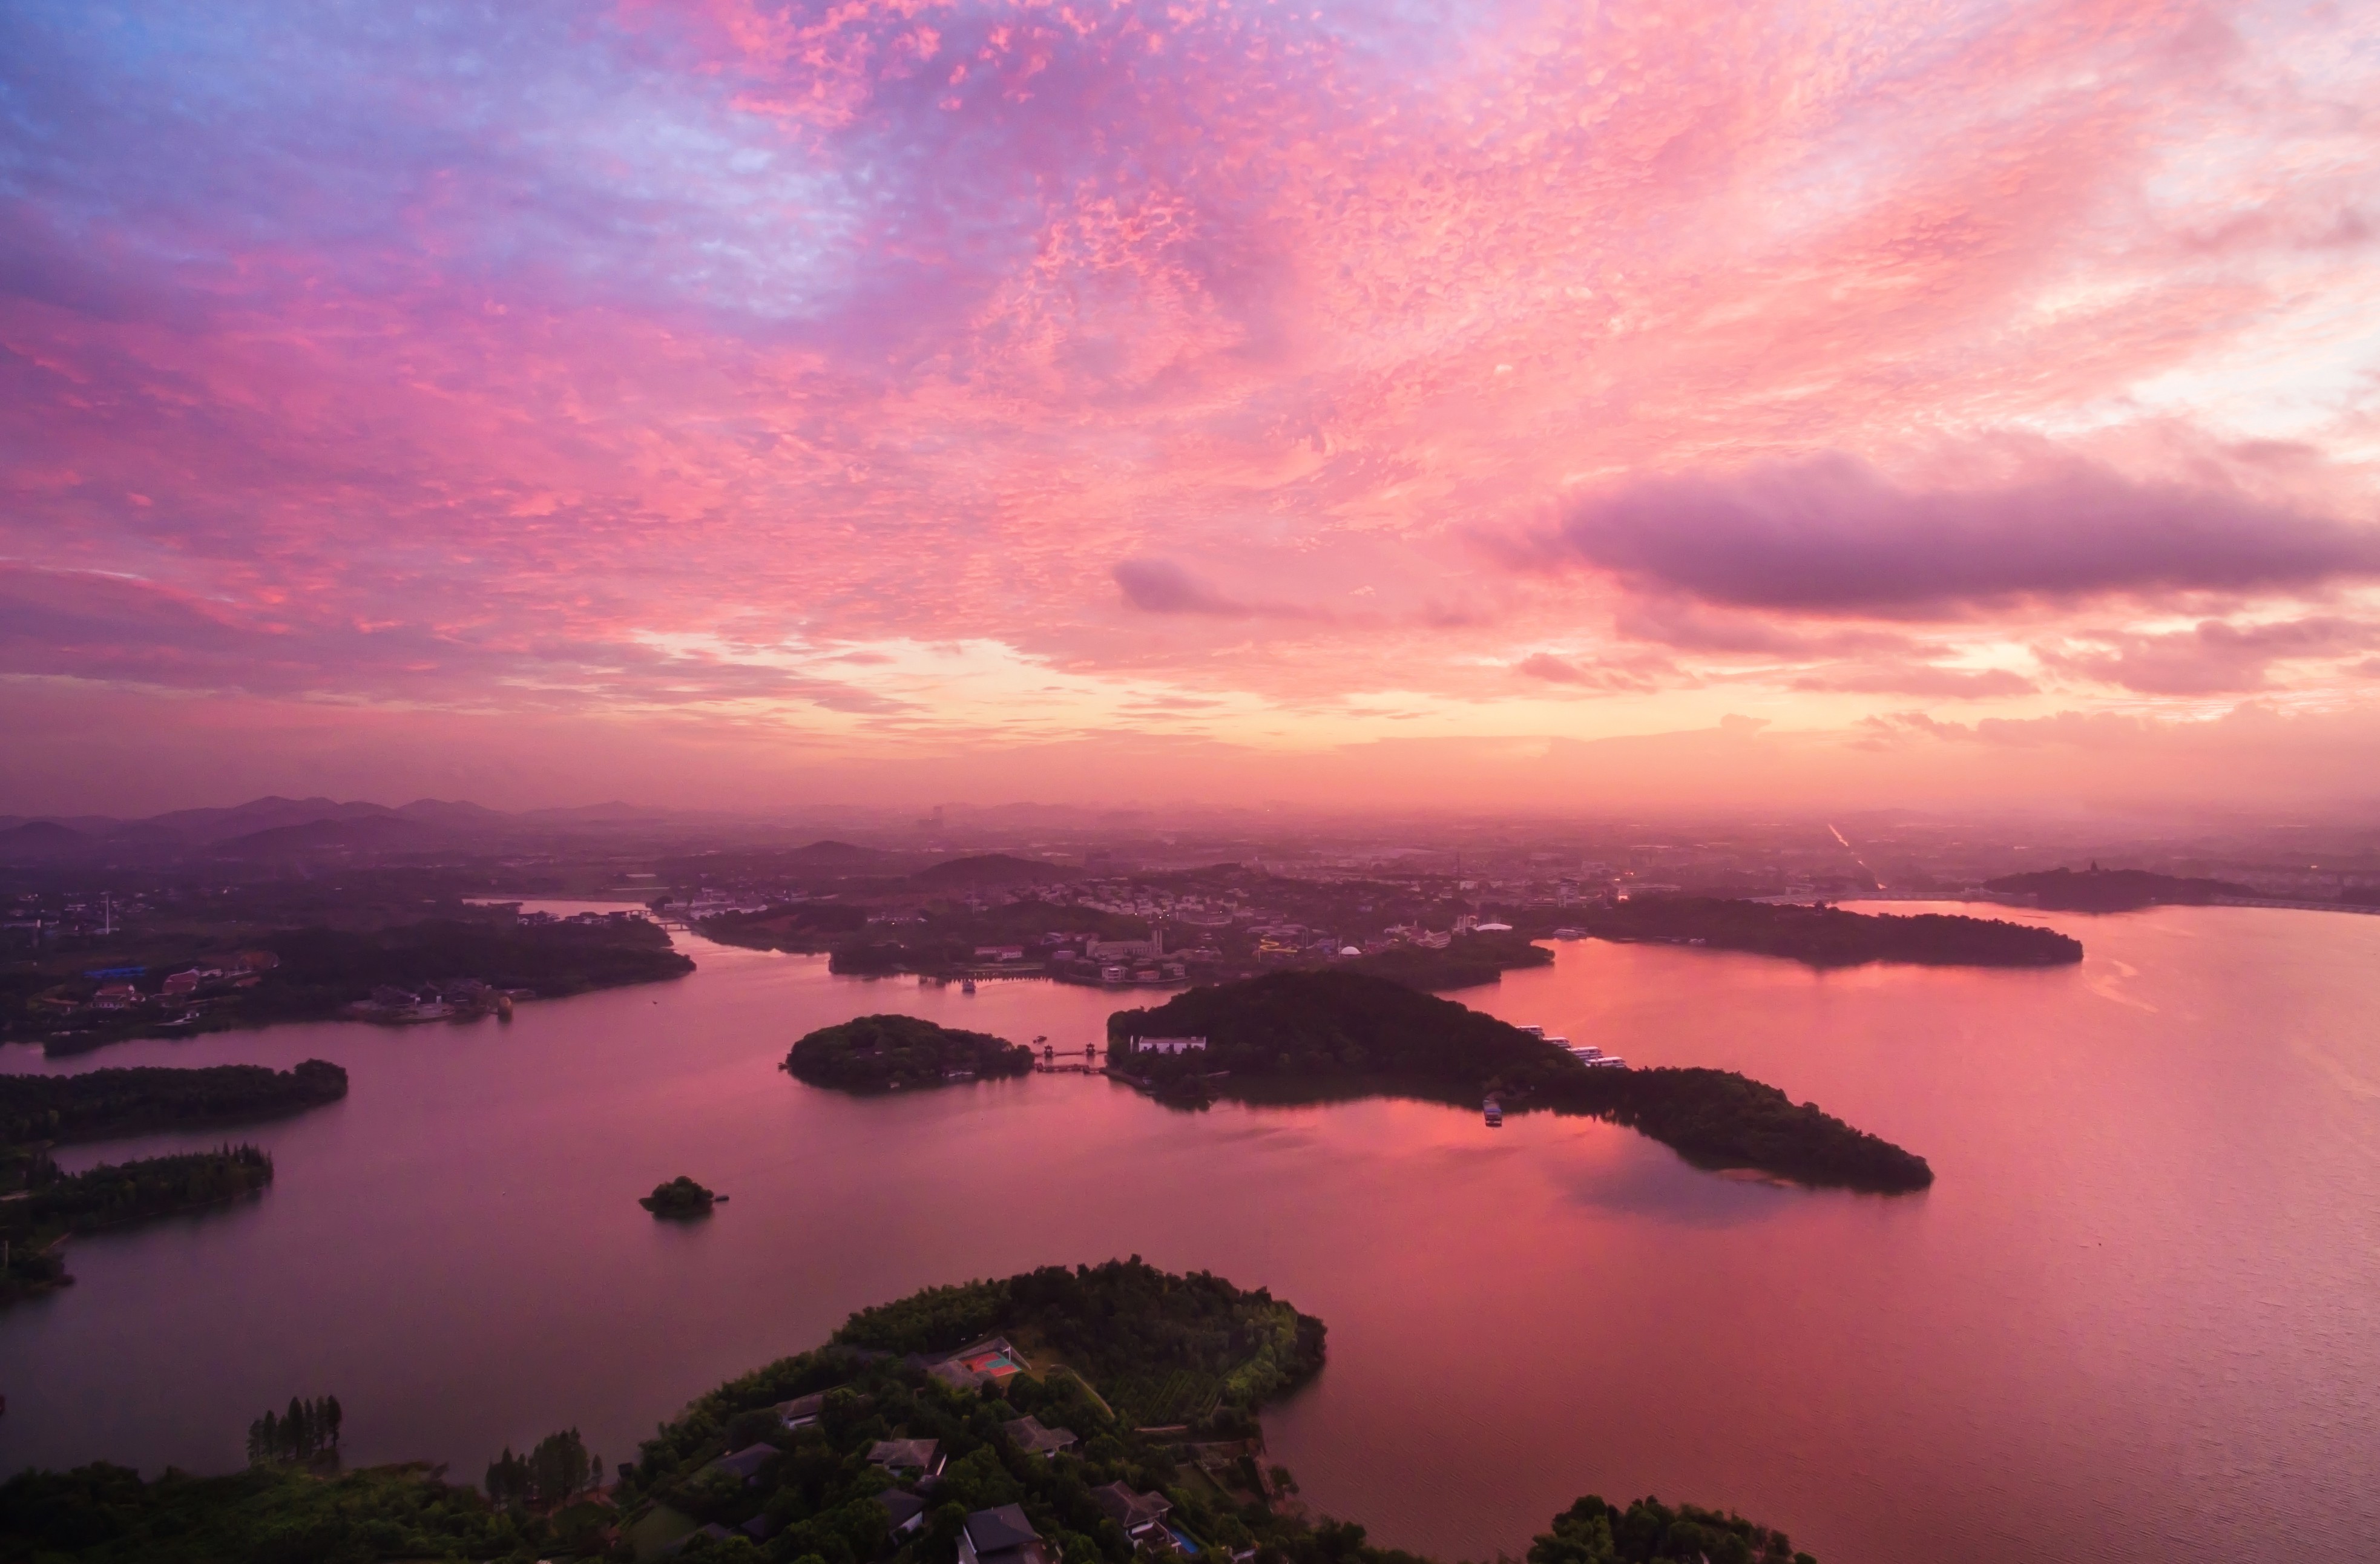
(2095, 889)
(557, 1471)
(1828, 937)
(1125, 1323)
(1317, 1025)
(1719, 1118)
(1336, 1031)
(307, 1432)
(53, 1203)
(123, 1192)
(1468, 961)
(886, 1052)
(946, 941)
(1648, 1532)
(113, 1102)
(277, 1513)
(322, 969)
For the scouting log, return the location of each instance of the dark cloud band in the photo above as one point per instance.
(1834, 536)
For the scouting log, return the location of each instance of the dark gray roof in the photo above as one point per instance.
(902, 1504)
(896, 1454)
(1028, 1434)
(748, 1460)
(1130, 1509)
(802, 1406)
(997, 1531)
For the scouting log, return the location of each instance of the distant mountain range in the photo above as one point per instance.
(266, 828)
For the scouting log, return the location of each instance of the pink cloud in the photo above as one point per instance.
(741, 326)
(1834, 536)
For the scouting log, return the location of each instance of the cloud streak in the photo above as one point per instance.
(1834, 536)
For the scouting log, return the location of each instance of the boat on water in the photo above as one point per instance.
(967, 987)
(1594, 1058)
(1495, 1114)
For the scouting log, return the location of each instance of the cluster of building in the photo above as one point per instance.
(1004, 1534)
(446, 998)
(121, 991)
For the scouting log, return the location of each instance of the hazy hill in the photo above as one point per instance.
(40, 841)
(382, 833)
(991, 869)
(2095, 889)
(839, 857)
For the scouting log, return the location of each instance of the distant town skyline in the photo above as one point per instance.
(1494, 406)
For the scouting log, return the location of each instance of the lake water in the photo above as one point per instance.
(2137, 1318)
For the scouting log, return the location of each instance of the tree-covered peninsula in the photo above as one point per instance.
(2095, 889)
(50, 1205)
(883, 1053)
(1466, 961)
(1341, 1033)
(42, 1206)
(101, 1103)
(438, 969)
(1088, 1416)
(1826, 937)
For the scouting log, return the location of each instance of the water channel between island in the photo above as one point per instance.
(2138, 1316)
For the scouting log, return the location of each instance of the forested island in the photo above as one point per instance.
(883, 1053)
(1826, 937)
(101, 1103)
(2095, 889)
(1339, 1033)
(1083, 1416)
(49, 1206)
(935, 942)
(41, 1207)
(1466, 960)
(681, 1198)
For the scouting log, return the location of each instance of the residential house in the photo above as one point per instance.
(1138, 1514)
(802, 1410)
(747, 1463)
(1000, 1536)
(1027, 1435)
(907, 1509)
(907, 1455)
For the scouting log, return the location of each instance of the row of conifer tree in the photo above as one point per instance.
(552, 1473)
(308, 1429)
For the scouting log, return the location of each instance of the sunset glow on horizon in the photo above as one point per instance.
(740, 402)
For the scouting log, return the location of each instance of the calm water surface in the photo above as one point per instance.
(2137, 1318)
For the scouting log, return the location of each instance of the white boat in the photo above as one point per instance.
(1495, 1114)
(967, 987)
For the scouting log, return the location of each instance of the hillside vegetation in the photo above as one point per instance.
(879, 1053)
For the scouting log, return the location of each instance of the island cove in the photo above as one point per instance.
(1097, 1415)
(40, 1208)
(1298, 1037)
